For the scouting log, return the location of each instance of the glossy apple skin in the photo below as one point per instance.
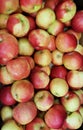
(8, 47)
(18, 68)
(6, 97)
(73, 60)
(55, 116)
(77, 23)
(8, 6)
(26, 111)
(51, 3)
(66, 42)
(22, 90)
(37, 123)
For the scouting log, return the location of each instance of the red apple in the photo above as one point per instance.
(74, 121)
(22, 90)
(43, 100)
(51, 3)
(59, 87)
(18, 68)
(52, 45)
(43, 57)
(3, 20)
(58, 72)
(55, 116)
(45, 17)
(70, 101)
(75, 79)
(24, 113)
(39, 38)
(6, 97)
(56, 27)
(37, 123)
(40, 79)
(32, 23)
(8, 47)
(8, 6)
(18, 24)
(66, 42)
(73, 60)
(65, 10)
(30, 6)
(77, 23)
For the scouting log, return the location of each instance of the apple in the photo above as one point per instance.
(45, 17)
(6, 97)
(70, 101)
(39, 38)
(11, 124)
(18, 24)
(73, 60)
(79, 92)
(43, 100)
(55, 116)
(18, 68)
(6, 113)
(76, 22)
(3, 20)
(25, 48)
(38, 124)
(32, 22)
(56, 27)
(5, 76)
(22, 90)
(65, 10)
(40, 79)
(79, 48)
(57, 57)
(81, 111)
(8, 6)
(51, 45)
(43, 57)
(75, 79)
(58, 72)
(66, 42)
(51, 3)
(73, 120)
(30, 6)
(24, 113)
(59, 87)
(8, 47)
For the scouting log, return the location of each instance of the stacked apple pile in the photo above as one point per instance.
(41, 65)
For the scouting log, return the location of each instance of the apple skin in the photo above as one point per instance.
(58, 72)
(81, 111)
(75, 79)
(6, 97)
(8, 47)
(43, 57)
(70, 101)
(6, 113)
(30, 6)
(66, 42)
(51, 45)
(55, 116)
(51, 4)
(40, 79)
(43, 100)
(39, 39)
(18, 24)
(22, 90)
(79, 92)
(32, 22)
(11, 124)
(77, 23)
(65, 10)
(59, 87)
(73, 120)
(3, 20)
(18, 68)
(56, 27)
(26, 111)
(37, 123)
(8, 6)
(45, 17)
(79, 48)
(5, 76)
(57, 57)
(73, 60)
